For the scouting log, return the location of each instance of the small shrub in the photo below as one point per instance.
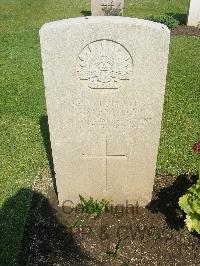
(93, 206)
(190, 202)
(169, 21)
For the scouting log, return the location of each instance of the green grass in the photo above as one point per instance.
(145, 8)
(181, 118)
(22, 103)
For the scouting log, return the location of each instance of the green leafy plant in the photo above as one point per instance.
(92, 206)
(169, 21)
(190, 202)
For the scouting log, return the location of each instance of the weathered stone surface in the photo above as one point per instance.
(107, 7)
(105, 84)
(194, 13)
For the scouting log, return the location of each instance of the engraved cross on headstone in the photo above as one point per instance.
(106, 157)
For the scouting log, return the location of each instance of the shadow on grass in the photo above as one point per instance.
(44, 128)
(46, 240)
(86, 13)
(166, 200)
(182, 18)
(12, 219)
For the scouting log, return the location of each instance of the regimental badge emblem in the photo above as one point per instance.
(104, 64)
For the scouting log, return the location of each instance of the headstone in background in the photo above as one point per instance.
(194, 13)
(105, 84)
(107, 7)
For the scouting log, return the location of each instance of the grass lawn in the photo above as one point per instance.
(22, 104)
(145, 8)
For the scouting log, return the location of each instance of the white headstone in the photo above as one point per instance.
(107, 7)
(105, 84)
(194, 13)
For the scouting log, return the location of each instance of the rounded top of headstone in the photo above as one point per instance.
(106, 20)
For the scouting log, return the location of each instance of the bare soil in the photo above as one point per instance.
(185, 30)
(154, 235)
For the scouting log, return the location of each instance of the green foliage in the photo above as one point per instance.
(92, 206)
(190, 203)
(169, 21)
